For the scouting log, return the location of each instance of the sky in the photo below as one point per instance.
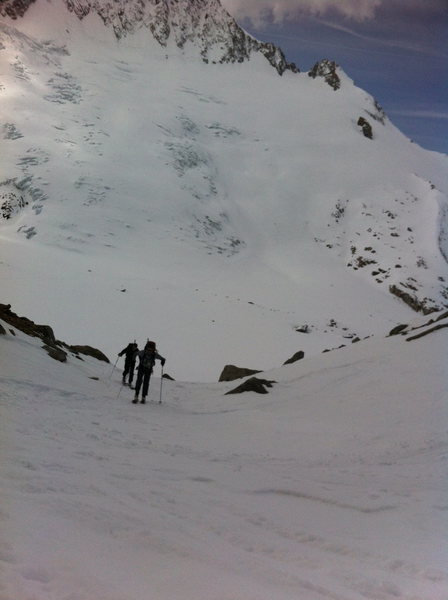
(396, 50)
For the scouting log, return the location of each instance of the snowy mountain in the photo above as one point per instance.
(165, 175)
(203, 23)
(333, 485)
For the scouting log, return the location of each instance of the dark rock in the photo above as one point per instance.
(303, 329)
(44, 332)
(11, 202)
(378, 114)
(89, 351)
(443, 315)
(276, 58)
(362, 262)
(398, 329)
(427, 332)
(166, 376)
(412, 301)
(14, 8)
(366, 128)
(56, 353)
(328, 70)
(230, 373)
(297, 356)
(2, 330)
(252, 385)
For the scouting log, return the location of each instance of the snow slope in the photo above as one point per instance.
(215, 208)
(332, 486)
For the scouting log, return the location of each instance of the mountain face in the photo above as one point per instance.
(163, 180)
(203, 23)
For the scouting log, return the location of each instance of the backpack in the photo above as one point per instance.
(147, 360)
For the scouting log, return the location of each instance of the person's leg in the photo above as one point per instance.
(126, 370)
(131, 373)
(138, 384)
(146, 379)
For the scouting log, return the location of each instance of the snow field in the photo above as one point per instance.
(333, 485)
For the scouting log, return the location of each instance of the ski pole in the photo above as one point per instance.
(161, 381)
(119, 392)
(113, 369)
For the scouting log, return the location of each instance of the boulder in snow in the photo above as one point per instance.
(252, 385)
(231, 372)
(297, 356)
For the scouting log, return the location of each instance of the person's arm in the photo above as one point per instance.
(162, 360)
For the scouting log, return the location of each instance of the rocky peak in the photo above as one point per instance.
(14, 8)
(202, 23)
(328, 70)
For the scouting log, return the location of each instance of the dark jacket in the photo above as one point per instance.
(131, 352)
(147, 358)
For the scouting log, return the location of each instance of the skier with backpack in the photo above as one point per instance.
(147, 358)
(131, 353)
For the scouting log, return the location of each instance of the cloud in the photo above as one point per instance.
(264, 12)
(261, 12)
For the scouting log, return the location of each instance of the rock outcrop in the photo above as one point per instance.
(424, 305)
(51, 345)
(253, 385)
(328, 70)
(44, 332)
(297, 356)
(89, 351)
(12, 200)
(231, 372)
(14, 8)
(366, 128)
(435, 323)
